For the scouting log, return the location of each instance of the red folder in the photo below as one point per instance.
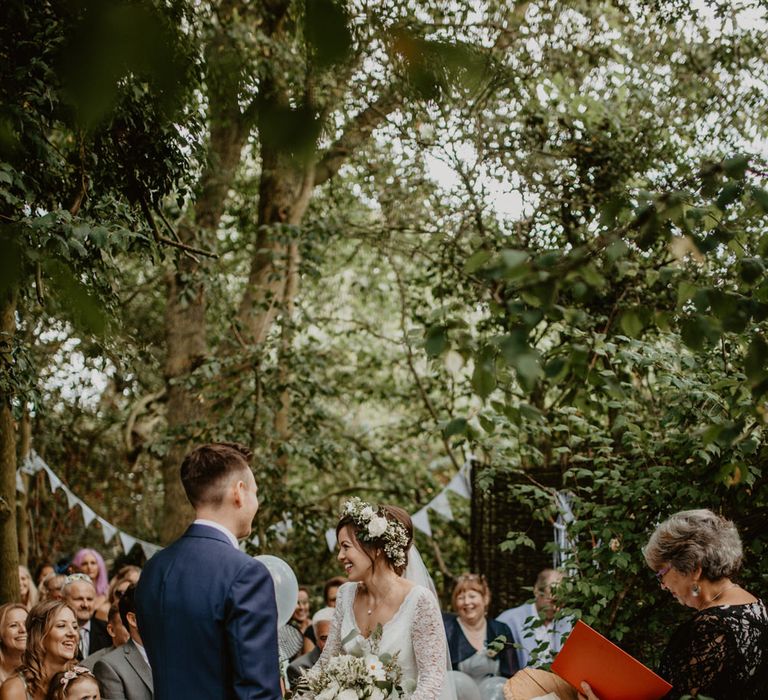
(611, 672)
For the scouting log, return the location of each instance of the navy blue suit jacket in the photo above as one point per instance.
(208, 620)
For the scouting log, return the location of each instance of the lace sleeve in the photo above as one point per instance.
(333, 643)
(429, 648)
(693, 663)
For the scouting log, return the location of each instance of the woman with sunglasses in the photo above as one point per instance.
(722, 651)
(480, 647)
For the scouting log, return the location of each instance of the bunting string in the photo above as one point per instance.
(34, 464)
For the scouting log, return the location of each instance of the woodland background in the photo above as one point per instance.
(370, 240)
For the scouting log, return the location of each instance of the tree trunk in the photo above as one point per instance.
(185, 326)
(9, 553)
(22, 503)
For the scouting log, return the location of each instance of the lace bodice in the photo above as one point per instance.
(415, 630)
(722, 652)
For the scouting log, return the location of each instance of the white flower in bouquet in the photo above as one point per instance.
(377, 526)
(376, 667)
(377, 694)
(347, 694)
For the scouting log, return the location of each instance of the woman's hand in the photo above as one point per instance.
(587, 692)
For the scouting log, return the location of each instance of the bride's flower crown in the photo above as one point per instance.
(374, 528)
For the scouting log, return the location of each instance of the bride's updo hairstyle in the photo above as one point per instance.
(385, 528)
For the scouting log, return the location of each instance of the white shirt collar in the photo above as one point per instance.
(142, 651)
(220, 528)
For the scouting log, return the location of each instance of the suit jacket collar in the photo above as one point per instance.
(136, 660)
(196, 530)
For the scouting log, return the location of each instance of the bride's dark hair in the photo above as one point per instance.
(392, 514)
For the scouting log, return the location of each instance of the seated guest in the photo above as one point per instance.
(302, 621)
(321, 624)
(116, 631)
(124, 673)
(79, 593)
(51, 647)
(51, 588)
(126, 575)
(27, 589)
(537, 635)
(13, 638)
(330, 588)
(722, 651)
(42, 572)
(474, 640)
(91, 563)
(76, 684)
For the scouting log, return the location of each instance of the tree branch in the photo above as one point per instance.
(357, 131)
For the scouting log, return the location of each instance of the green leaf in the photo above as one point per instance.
(457, 426)
(484, 376)
(476, 261)
(631, 324)
(436, 341)
(728, 194)
(761, 197)
(326, 29)
(756, 360)
(736, 167)
(513, 258)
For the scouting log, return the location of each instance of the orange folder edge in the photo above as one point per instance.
(610, 671)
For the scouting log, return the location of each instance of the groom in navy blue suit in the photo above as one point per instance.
(206, 611)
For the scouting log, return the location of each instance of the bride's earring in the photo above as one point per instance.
(695, 590)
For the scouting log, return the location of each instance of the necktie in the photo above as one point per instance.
(83, 645)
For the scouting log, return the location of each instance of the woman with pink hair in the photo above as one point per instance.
(91, 563)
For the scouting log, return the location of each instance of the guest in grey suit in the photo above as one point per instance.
(124, 674)
(116, 630)
(321, 624)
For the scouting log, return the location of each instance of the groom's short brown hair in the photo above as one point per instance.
(206, 469)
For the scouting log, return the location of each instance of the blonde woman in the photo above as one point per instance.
(27, 589)
(13, 638)
(52, 636)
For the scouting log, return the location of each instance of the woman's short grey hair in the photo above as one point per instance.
(693, 538)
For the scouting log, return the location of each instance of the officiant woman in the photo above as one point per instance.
(722, 651)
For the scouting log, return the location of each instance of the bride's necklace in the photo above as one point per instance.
(384, 596)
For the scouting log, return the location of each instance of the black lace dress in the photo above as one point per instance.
(722, 653)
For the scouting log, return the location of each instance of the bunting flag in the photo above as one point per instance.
(460, 484)
(108, 529)
(421, 521)
(127, 541)
(34, 464)
(441, 505)
(330, 538)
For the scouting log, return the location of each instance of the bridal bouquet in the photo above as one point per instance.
(370, 676)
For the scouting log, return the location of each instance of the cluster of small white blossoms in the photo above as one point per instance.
(376, 529)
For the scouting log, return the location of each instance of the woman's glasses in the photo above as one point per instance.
(661, 573)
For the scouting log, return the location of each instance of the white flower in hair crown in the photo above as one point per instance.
(374, 528)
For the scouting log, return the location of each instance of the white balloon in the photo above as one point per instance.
(466, 688)
(492, 688)
(286, 586)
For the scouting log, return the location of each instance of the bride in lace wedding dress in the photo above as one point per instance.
(373, 548)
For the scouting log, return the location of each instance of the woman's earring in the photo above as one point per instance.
(695, 590)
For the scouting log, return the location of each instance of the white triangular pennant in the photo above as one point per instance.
(108, 530)
(72, 500)
(459, 485)
(441, 505)
(33, 463)
(19, 482)
(54, 480)
(88, 515)
(127, 541)
(149, 549)
(330, 539)
(421, 522)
